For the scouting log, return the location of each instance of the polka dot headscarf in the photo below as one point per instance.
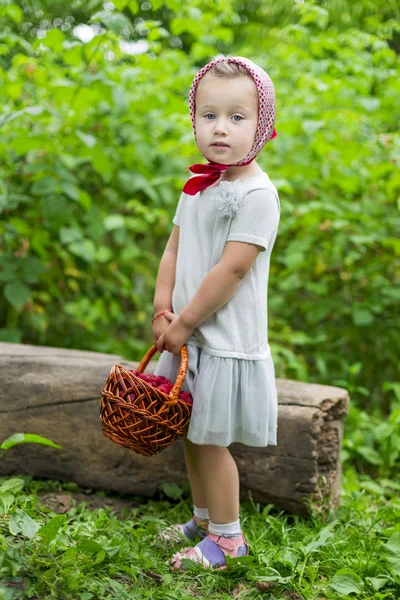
(265, 129)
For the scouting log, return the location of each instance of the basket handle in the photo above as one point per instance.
(180, 378)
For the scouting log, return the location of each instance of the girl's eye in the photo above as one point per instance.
(209, 114)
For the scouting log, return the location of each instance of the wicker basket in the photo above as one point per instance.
(147, 420)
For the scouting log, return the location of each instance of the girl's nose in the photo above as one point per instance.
(220, 126)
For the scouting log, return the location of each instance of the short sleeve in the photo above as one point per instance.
(257, 220)
(176, 218)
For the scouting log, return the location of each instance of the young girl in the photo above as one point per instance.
(211, 294)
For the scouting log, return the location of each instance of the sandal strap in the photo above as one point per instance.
(209, 553)
(229, 545)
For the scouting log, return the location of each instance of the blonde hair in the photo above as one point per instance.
(230, 70)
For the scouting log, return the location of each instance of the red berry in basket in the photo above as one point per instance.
(164, 388)
(186, 397)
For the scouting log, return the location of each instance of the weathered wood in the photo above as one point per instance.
(55, 392)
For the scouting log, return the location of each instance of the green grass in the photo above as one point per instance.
(106, 553)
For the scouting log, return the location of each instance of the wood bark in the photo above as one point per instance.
(55, 392)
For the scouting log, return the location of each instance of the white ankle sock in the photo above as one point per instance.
(201, 513)
(226, 529)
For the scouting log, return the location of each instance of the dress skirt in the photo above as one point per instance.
(234, 399)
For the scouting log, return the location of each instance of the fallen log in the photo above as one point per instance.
(55, 392)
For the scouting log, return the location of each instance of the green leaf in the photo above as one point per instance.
(54, 39)
(323, 535)
(310, 126)
(121, 4)
(69, 234)
(373, 487)
(371, 455)
(361, 316)
(100, 556)
(346, 581)
(22, 523)
(55, 210)
(14, 484)
(22, 438)
(11, 10)
(394, 565)
(377, 582)
(241, 560)
(17, 294)
(70, 190)
(11, 561)
(88, 139)
(172, 490)
(89, 547)
(30, 110)
(102, 163)
(6, 592)
(116, 22)
(48, 532)
(275, 576)
(370, 104)
(31, 269)
(114, 222)
(45, 186)
(6, 501)
(393, 544)
(85, 249)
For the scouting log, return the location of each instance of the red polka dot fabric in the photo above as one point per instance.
(266, 95)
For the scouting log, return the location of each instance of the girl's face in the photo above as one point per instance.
(226, 111)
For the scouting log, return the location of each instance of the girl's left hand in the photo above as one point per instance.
(175, 336)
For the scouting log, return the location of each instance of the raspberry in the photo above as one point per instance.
(164, 388)
(186, 397)
(161, 383)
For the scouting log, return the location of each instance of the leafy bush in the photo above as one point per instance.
(94, 151)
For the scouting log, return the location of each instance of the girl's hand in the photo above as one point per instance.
(175, 335)
(159, 326)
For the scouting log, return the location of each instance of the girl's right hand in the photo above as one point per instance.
(159, 326)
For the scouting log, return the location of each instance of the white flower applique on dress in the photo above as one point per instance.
(228, 196)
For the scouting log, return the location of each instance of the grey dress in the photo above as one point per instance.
(231, 373)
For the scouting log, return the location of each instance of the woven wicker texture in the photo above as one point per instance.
(139, 416)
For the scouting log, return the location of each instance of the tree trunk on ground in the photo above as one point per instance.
(55, 392)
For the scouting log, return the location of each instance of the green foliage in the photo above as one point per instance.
(95, 554)
(94, 150)
(26, 438)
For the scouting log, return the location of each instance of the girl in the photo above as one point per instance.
(211, 294)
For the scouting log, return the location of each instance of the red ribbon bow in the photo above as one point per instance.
(209, 173)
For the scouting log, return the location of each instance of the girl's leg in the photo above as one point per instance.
(217, 481)
(198, 525)
(217, 474)
(199, 493)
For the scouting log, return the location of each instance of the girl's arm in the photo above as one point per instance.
(220, 284)
(166, 274)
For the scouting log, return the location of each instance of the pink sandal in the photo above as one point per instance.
(211, 552)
